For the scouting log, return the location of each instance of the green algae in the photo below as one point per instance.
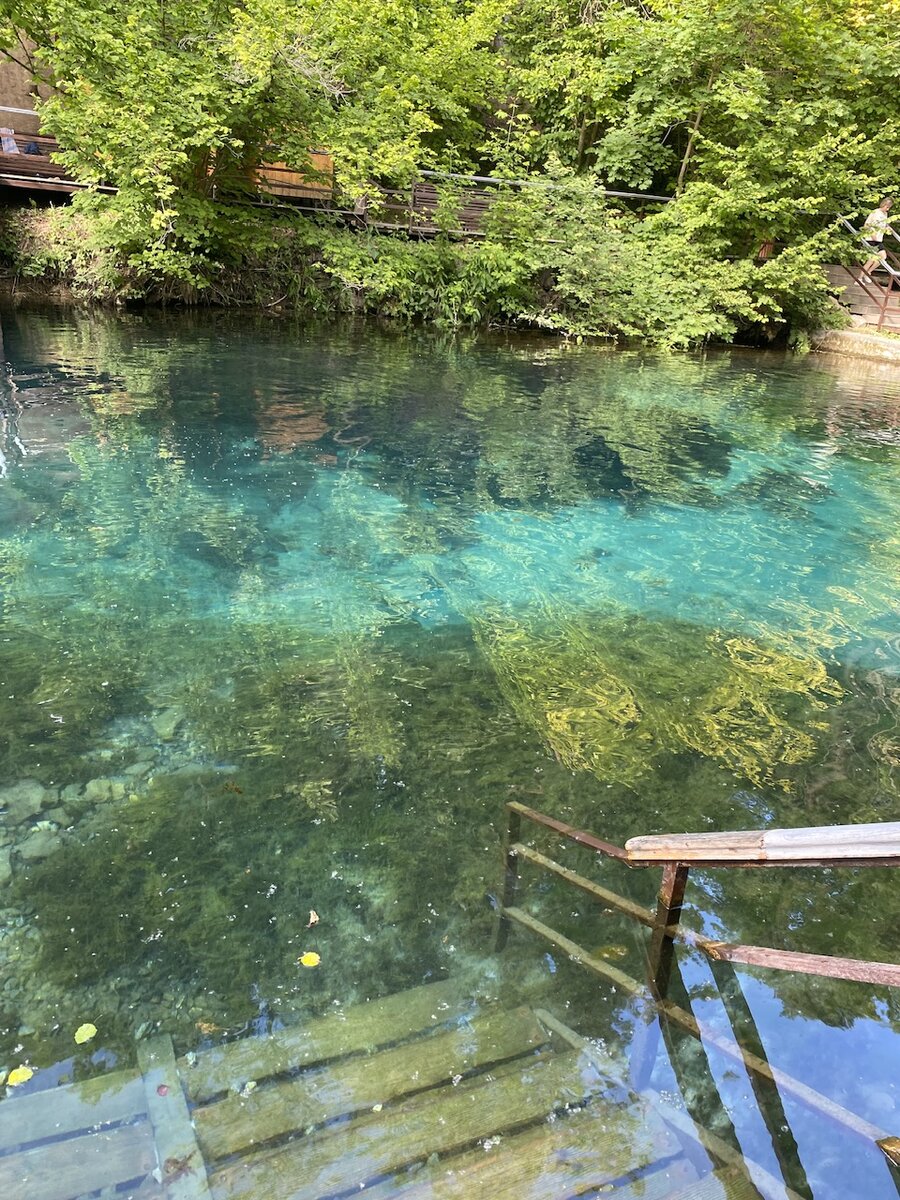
(615, 695)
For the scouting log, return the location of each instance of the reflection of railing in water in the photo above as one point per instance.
(831, 846)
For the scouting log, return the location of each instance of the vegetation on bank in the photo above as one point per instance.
(764, 119)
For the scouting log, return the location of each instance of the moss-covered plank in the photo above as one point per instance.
(181, 1165)
(348, 1157)
(360, 1029)
(77, 1165)
(358, 1084)
(104, 1100)
(609, 1147)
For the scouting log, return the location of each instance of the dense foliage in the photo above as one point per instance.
(763, 118)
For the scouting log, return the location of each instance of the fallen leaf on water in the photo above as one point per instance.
(19, 1075)
(309, 959)
(85, 1032)
(313, 918)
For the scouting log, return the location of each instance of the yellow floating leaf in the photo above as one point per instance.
(19, 1075)
(85, 1032)
(309, 959)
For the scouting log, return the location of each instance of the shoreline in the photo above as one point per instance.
(857, 343)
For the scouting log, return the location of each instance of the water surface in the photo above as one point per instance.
(288, 615)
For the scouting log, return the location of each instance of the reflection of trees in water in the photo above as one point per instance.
(685, 722)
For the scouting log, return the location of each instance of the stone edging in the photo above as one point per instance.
(857, 344)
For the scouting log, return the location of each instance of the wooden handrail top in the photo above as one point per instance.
(874, 844)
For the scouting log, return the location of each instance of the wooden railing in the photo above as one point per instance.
(871, 845)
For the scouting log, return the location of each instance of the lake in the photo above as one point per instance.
(290, 613)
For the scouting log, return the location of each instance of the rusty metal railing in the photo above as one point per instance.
(872, 845)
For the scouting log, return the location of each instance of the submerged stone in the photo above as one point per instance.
(165, 723)
(138, 770)
(22, 800)
(98, 791)
(38, 845)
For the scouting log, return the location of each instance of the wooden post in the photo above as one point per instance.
(511, 878)
(668, 914)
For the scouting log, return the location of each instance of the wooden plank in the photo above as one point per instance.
(575, 952)
(38, 185)
(661, 950)
(181, 1165)
(149, 1189)
(827, 965)
(721, 1185)
(68, 1168)
(600, 1148)
(104, 1100)
(358, 1084)
(823, 844)
(612, 1069)
(345, 1159)
(879, 839)
(360, 1029)
(611, 899)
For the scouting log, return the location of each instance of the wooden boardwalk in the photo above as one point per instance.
(414, 1096)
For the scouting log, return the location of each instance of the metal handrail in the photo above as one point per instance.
(865, 845)
(883, 295)
(665, 927)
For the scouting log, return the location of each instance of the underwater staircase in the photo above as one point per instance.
(416, 1095)
(429, 1095)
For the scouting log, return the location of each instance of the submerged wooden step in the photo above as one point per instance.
(361, 1028)
(80, 1165)
(721, 1185)
(347, 1157)
(358, 1084)
(624, 1151)
(110, 1099)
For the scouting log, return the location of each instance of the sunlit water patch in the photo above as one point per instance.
(288, 615)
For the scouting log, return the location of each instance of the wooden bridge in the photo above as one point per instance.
(429, 1094)
(876, 301)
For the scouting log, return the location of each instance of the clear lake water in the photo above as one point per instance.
(289, 613)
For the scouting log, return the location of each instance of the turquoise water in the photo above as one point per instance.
(289, 614)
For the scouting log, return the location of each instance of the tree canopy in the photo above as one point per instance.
(765, 118)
